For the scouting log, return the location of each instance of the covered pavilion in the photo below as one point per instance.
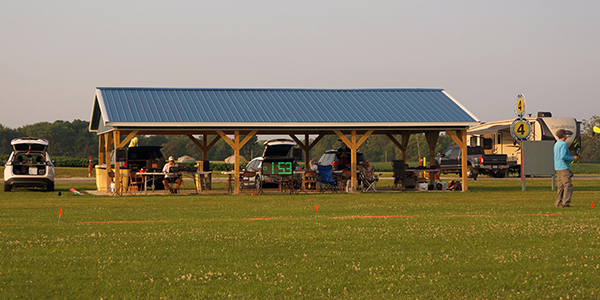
(119, 114)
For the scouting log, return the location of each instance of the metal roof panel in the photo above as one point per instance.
(184, 105)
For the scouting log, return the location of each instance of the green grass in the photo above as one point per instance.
(494, 242)
(585, 168)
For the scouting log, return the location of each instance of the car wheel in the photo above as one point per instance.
(50, 187)
(7, 187)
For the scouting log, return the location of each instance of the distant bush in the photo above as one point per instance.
(73, 162)
(3, 159)
(223, 166)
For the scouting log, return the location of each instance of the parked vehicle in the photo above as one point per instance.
(149, 158)
(29, 165)
(495, 165)
(276, 148)
(330, 158)
(495, 138)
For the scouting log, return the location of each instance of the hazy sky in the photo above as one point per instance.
(484, 53)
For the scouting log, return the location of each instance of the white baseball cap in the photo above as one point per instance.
(171, 158)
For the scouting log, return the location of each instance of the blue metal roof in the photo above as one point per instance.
(176, 105)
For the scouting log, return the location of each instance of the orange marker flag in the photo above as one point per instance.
(592, 204)
(316, 209)
(60, 213)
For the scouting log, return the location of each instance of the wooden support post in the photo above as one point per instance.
(101, 148)
(353, 145)
(405, 139)
(236, 145)
(204, 142)
(460, 138)
(236, 161)
(107, 147)
(432, 138)
(118, 179)
(463, 147)
(353, 149)
(306, 153)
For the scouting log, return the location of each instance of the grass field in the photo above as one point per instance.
(494, 242)
(384, 168)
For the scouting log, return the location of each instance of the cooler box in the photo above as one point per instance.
(101, 177)
(441, 185)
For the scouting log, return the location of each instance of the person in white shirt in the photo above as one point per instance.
(171, 177)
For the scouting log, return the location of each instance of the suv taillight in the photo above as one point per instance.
(481, 160)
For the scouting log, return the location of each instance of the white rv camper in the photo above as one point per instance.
(495, 137)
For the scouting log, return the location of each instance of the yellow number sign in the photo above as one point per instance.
(520, 129)
(520, 105)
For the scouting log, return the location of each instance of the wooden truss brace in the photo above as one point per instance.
(236, 145)
(307, 146)
(353, 145)
(203, 146)
(402, 146)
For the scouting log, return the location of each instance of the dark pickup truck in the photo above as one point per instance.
(495, 165)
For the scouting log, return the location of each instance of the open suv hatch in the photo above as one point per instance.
(275, 148)
(29, 165)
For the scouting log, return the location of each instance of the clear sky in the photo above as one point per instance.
(484, 53)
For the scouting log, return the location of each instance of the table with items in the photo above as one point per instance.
(149, 176)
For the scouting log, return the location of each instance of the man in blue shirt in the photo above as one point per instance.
(562, 163)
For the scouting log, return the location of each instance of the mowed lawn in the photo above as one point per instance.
(494, 242)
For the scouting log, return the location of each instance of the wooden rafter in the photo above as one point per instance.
(127, 139)
(204, 148)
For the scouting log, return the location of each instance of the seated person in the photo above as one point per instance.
(343, 155)
(171, 177)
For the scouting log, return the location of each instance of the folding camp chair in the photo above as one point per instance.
(326, 180)
(136, 182)
(250, 181)
(344, 178)
(368, 178)
(309, 181)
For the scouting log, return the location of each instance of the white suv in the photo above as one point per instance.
(276, 148)
(29, 165)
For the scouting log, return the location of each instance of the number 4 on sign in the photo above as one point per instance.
(520, 105)
(521, 129)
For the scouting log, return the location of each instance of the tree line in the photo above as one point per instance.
(72, 139)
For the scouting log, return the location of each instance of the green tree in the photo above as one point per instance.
(590, 141)
(6, 135)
